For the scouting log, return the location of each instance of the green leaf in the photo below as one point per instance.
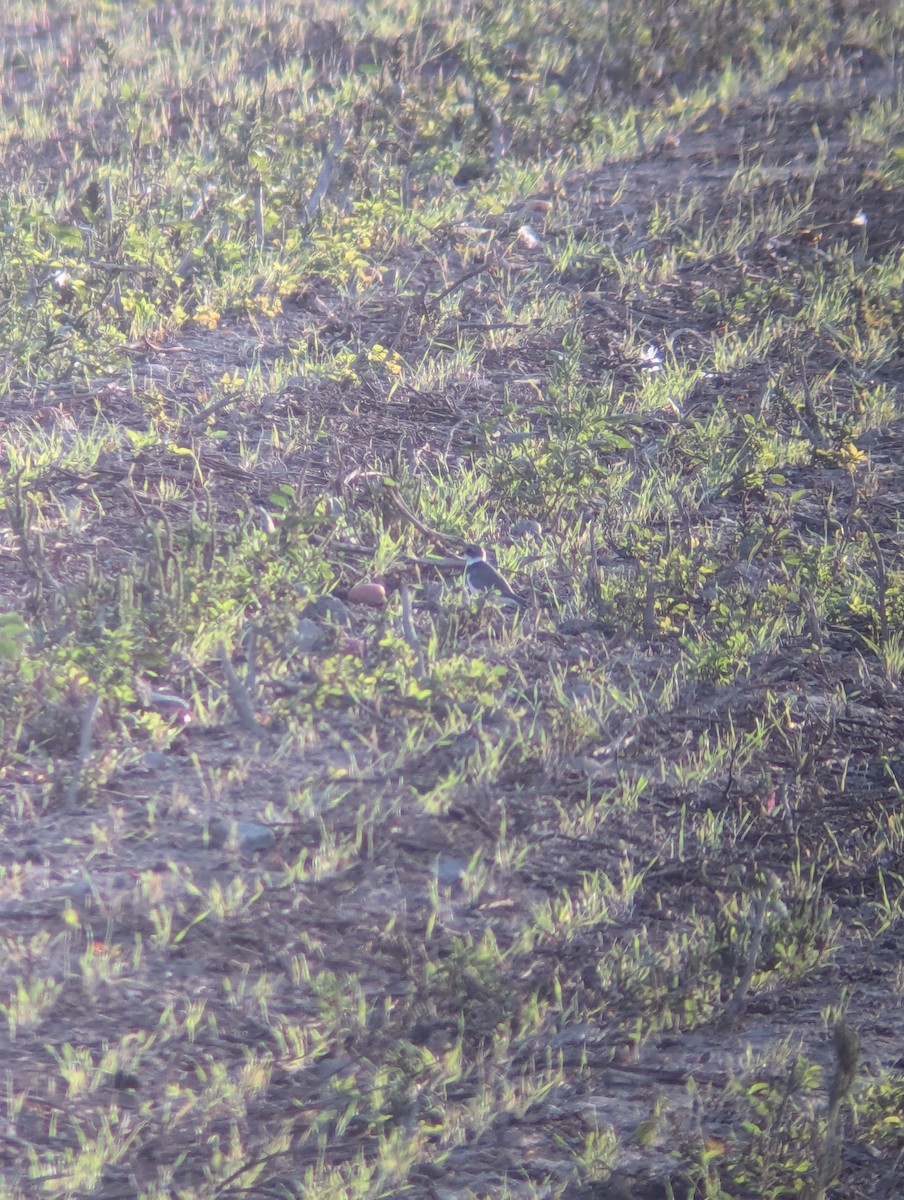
(282, 497)
(13, 632)
(66, 235)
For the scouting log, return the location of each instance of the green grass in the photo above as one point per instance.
(605, 896)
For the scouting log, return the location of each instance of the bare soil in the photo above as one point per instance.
(102, 861)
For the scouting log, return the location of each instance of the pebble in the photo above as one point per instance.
(450, 870)
(308, 635)
(527, 528)
(373, 594)
(328, 608)
(151, 760)
(354, 646)
(247, 836)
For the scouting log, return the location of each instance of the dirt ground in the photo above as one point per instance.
(104, 863)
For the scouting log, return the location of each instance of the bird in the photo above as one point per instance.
(484, 580)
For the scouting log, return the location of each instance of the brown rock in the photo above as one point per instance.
(373, 594)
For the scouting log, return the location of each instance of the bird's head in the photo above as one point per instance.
(474, 553)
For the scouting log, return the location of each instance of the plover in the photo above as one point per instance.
(483, 579)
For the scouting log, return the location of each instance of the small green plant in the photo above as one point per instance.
(313, 889)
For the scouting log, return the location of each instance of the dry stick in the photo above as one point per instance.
(497, 136)
(403, 323)
(84, 752)
(108, 202)
(410, 636)
(638, 133)
(462, 279)
(594, 579)
(325, 177)
(881, 584)
(258, 193)
(828, 1151)
(649, 608)
(686, 331)
(223, 1188)
(32, 559)
(200, 418)
(409, 516)
(188, 258)
(251, 659)
(813, 623)
(238, 693)
(813, 423)
(761, 907)
(486, 325)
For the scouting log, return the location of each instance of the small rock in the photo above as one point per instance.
(152, 760)
(328, 608)
(527, 528)
(326, 1068)
(450, 870)
(308, 635)
(573, 1035)
(78, 892)
(373, 594)
(246, 836)
(354, 646)
(575, 626)
(599, 771)
(518, 438)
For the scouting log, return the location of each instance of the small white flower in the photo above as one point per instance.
(861, 219)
